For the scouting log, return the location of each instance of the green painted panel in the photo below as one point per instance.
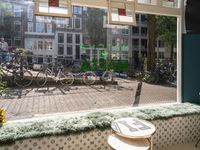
(191, 68)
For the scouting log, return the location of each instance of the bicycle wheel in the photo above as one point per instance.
(41, 78)
(89, 77)
(108, 76)
(23, 78)
(66, 79)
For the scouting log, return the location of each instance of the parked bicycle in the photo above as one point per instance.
(54, 72)
(14, 69)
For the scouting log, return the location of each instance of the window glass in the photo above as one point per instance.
(77, 10)
(18, 42)
(40, 27)
(17, 10)
(69, 50)
(30, 14)
(78, 40)
(60, 37)
(49, 28)
(77, 23)
(30, 27)
(60, 49)
(17, 26)
(40, 45)
(69, 38)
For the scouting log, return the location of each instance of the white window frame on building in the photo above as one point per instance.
(30, 14)
(30, 27)
(49, 28)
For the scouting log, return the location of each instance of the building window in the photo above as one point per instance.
(49, 28)
(69, 49)
(60, 22)
(78, 40)
(30, 27)
(48, 45)
(144, 44)
(60, 49)
(40, 28)
(143, 18)
(135, 30)
(9, 41)
(30, 14)
(18, 42)
(77, 51)
(60, 37)
(40, 45)
(69, 38)
(143, 31)
(17, 11)
(77, 22)
(77, 10)
(17, 26)
(69, 23)
(125, 31)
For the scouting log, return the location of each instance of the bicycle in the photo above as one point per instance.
(56, 74)
(21, 77)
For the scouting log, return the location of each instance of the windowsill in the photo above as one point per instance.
(36, 33)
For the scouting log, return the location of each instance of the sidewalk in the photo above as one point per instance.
(25, 103)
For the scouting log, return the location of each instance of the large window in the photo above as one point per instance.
(17, 11)
(40, 27)
(18, 42)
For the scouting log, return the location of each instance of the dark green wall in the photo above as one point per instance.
(191, 68)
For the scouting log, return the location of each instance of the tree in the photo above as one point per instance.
(166, 31)
(151, 19)
(94, 25)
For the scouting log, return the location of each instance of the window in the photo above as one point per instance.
(143, 31)
(77, 51)
(49, 28)
(77, 10)
(48, 45)
(69, 23)
(40, 45)
(143, 18)
(40, 27)
(60, 49)
(30, 27)
(17, 11)
(144, 44)
(69, 38)
(60, 37)
(161, 55)
(60, 22)
(69, 50)
(30, 14)
(17, 26)
(78, 39)
(77, 23)
(29, 44)
(135, 30)
(18, 42)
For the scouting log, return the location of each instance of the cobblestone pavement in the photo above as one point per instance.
(25, 103)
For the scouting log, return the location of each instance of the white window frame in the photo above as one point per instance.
(30, 14)
(30, 24)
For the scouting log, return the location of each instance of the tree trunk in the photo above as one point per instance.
(151, 23)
